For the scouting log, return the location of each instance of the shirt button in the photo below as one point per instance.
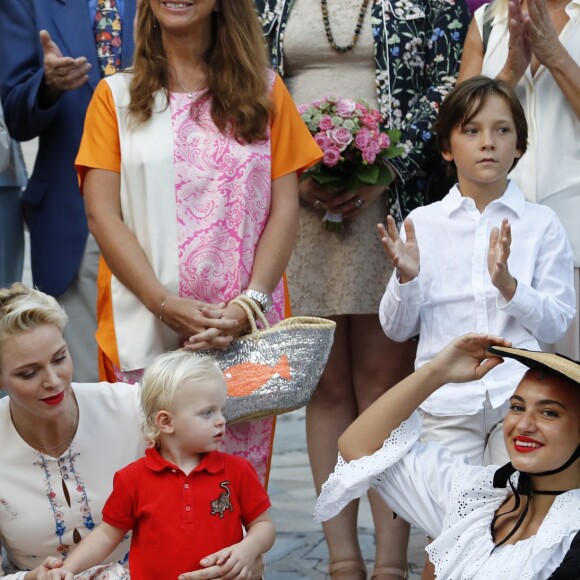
(186, 486)
(187, 508)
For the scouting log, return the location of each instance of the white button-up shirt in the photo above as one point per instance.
(549, 172)
(453, 293)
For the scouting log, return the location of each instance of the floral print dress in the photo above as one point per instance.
(404, 63)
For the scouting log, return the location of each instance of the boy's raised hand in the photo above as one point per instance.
(500, 240)
(403, 255)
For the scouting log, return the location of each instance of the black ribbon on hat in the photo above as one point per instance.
(501, 479)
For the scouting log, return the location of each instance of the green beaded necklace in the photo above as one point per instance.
(361, 17)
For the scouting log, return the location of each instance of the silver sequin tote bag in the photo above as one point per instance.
(274, 369)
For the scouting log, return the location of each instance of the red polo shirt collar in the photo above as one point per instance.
(211, 462)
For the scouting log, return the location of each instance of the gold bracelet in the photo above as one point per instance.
(163, 306)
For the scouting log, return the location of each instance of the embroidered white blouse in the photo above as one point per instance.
(455, 503)
(44, 499)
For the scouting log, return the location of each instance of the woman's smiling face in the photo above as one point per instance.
(542, 426)
(183, 15)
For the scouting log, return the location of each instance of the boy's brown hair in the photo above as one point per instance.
(466, 100)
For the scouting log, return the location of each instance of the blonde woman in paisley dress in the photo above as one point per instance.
(403, 58)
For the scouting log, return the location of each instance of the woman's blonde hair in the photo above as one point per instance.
(236, 65)
(23, 309)
(163, 379)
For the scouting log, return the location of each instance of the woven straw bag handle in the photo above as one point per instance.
(252, 311)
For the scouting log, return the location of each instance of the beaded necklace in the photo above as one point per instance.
(330, 37)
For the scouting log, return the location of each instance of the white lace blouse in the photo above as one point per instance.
(454, 503)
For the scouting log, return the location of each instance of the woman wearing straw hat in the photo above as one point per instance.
(513, 522)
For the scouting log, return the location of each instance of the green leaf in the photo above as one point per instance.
(351, 183)
(394, 135)
(368, 174)
(392, 152)
(385, 176)
(326, 178)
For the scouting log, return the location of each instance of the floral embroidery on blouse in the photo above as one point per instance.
(68, 473)
(5, 506)
(418, 45)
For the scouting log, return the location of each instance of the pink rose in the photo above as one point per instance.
(373, 145)
(345, 107)
(331, 156)
(326, 123)
(369, 156)
(342, 137)
(303, 108)
(384, 141)
(317, 103)
(369, 121)
(323, 141)
(376, 115)
(362, 138)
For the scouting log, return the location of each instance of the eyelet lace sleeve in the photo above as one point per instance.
(414, 479)
(351, 480)
(465, 548)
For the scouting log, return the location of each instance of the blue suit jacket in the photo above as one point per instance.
(53, 205)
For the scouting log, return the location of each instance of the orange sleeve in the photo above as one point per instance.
(293, 147)
(100, 147)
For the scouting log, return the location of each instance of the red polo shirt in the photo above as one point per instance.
(179, 519)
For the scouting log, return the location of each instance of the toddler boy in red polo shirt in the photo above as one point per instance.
(186, 503)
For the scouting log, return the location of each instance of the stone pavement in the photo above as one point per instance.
(300, 551)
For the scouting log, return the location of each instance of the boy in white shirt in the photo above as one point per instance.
(481, 260)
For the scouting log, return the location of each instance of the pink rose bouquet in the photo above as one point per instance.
(355, 147)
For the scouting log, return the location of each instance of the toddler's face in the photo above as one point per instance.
(197, 415)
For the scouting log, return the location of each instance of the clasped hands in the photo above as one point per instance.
(201, 325)
(405, 254)
(532, 33)
(337, 200)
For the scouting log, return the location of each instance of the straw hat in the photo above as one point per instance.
(553, 364)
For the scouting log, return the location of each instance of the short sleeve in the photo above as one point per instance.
(293, 147)
(118, 509)
(100, 146)
(254, 500)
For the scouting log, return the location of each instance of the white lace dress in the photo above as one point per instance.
(454, 503)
